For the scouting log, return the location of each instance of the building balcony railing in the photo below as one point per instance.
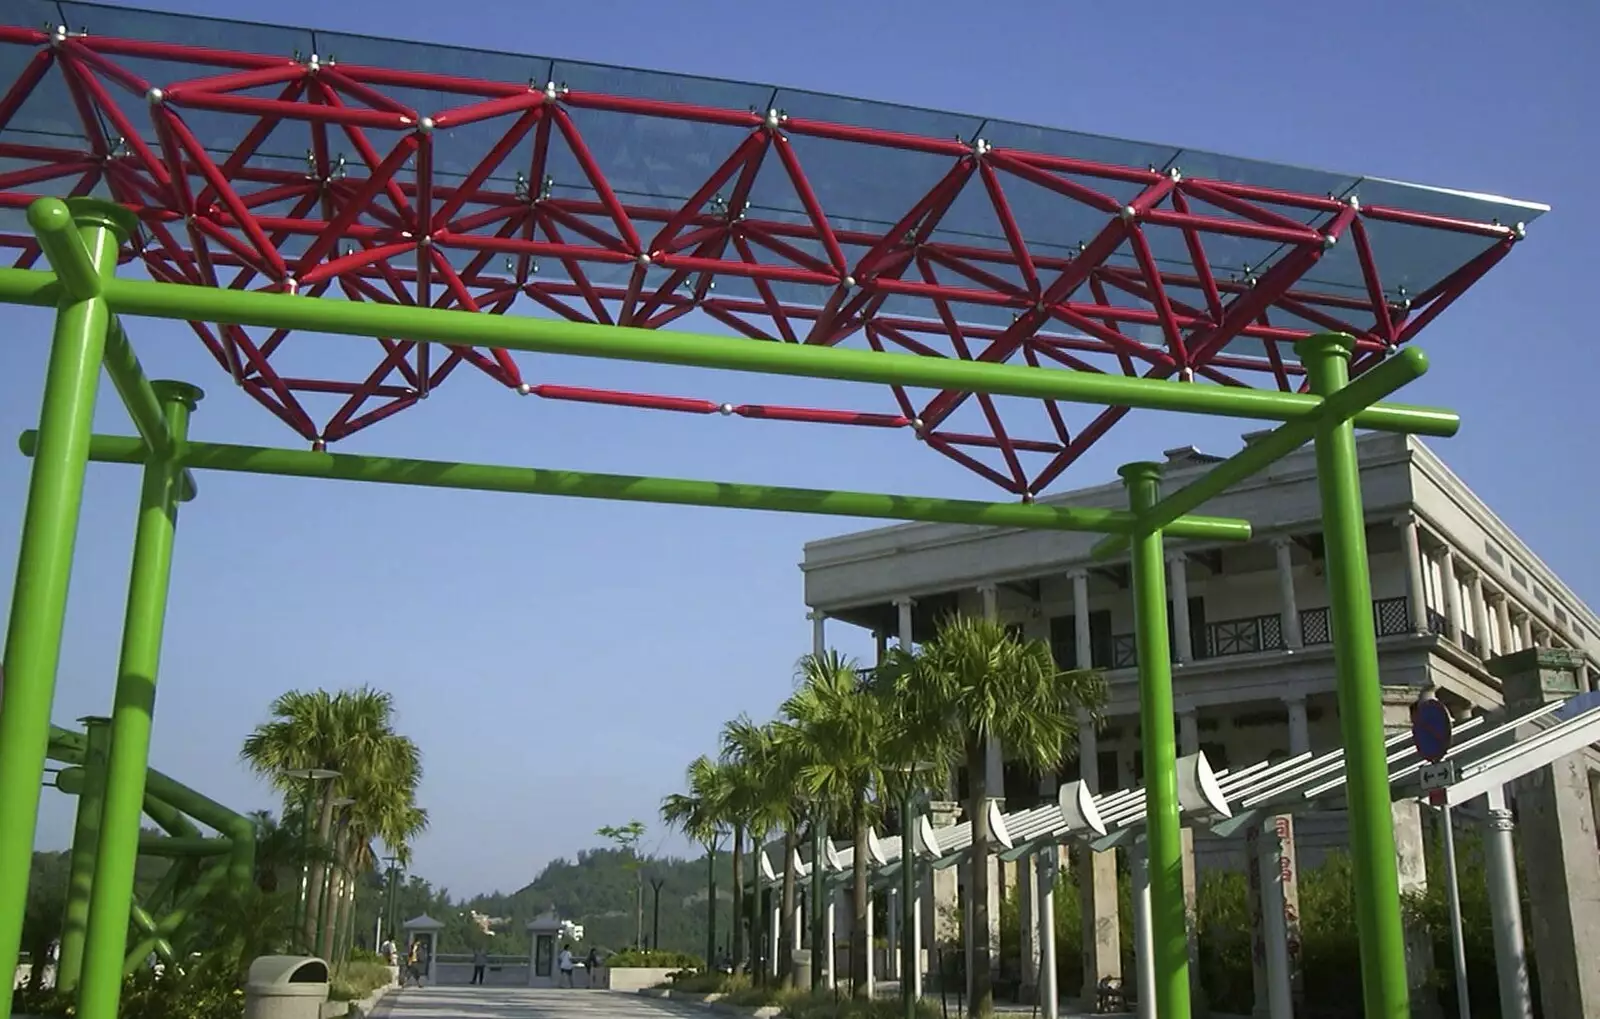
(1248, 635)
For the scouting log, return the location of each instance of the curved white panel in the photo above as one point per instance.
(1198, 789)
(831, 855)
(1078, 810)
(928, 842)
(767, 871)
(875, 848)
(997, 825)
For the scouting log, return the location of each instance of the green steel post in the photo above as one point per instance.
(85, 841)
(910, 965)
(139, 397)
(142, 629)
(1355, 662)
(819, 900)
(1168, 925)
(49, 531)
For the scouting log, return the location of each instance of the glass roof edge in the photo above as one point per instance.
(1535, 208)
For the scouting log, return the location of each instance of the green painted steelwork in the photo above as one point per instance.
(580, 339)
(80, 236)
(1409, 364)
(1158, 744)
(157, 845)
(1355, 660)
(628, 488)
(44, 558)
(131, 718)
(85, 839)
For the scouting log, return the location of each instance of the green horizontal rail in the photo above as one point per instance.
(579, 339)
(629, 488)
(1409, 364)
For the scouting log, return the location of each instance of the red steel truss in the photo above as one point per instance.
(384, 209)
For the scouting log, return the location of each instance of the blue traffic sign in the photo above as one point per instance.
(1431, 730)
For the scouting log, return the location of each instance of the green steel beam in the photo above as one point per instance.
(1407, 366)
(128, 774)
(140, 398)
(581, 339)
(1163, 834)
(85, 841)
(158, 845)
(628, 488)
(44, 555)
(1384, 984)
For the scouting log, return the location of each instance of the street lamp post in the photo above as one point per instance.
(910, 965)
(310, 776)
(386, 914)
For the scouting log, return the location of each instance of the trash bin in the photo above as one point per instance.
(285, 987)
(802, 968)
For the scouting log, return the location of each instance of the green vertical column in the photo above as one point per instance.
(142, 626)
(49, 531)
(1355, 661)
(1169, 927)
(819, 902)
(85, 843)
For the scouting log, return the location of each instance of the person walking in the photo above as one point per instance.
(591, 964)
(480, 962)
(564, 963)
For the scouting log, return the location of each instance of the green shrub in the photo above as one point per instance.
(635, 958)
(694, 982)
(357, 979)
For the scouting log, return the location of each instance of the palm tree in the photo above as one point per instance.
(350, 732)
(842, 727)
(772, 753)
(701, 814)
(977, 681)
(752, 812)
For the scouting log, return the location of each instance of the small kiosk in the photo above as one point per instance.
(544, 935)
(427, 929)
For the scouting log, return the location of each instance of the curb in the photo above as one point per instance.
(712, 1003)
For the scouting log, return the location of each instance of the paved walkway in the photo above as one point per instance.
(520, 1003)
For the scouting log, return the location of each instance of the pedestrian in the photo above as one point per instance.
(592, 964)
(564, 963)
(480, 960)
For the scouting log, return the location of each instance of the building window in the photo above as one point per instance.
(1518, 576)
(1433, 586)
(1493, 554)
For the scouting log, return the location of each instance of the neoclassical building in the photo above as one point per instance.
(1452, 587)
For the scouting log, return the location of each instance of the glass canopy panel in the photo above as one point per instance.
(654, 139)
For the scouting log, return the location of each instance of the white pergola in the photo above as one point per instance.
(1486, 755)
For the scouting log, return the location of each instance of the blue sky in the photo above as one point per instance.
(560, 662)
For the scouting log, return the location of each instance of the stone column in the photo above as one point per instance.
(1502, 621)
(1525, 630)
(1080, 618)
(1288, 608)
(830, 935)
(1555, 810)
(1178, 572)
(903, 606)
(1299, 725)
(940, 922)
(1480, 616)
(1452, 595)
(819, 631)
(891, 958)
(1028, 903)
(1274, 894)
(1101, 928)
(1416, 591)
(1411, 851)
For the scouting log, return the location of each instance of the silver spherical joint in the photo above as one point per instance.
(725, 409)
(523, 389)
(155, 97)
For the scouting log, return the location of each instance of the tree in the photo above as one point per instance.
(976, 681)
(751, 811)
(627, 839)
(841, 726)
(771, 755)
(350, 732)
(701, 814)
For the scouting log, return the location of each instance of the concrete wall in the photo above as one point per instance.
(629, 978)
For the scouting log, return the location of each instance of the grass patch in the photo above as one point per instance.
(357, 979)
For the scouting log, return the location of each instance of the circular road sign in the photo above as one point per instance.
(1431, 729)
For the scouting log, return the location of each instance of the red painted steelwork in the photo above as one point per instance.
(457, 207)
